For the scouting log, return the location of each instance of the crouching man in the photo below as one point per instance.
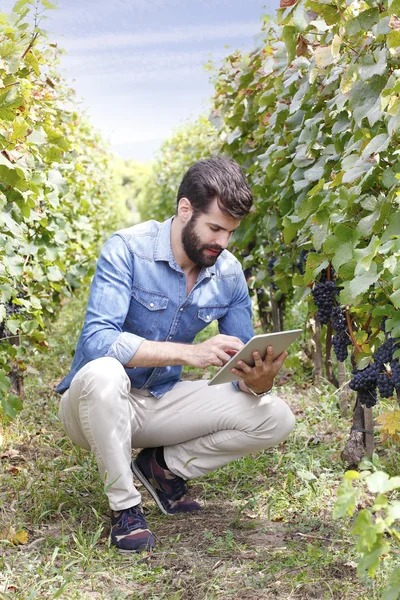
(156, 286)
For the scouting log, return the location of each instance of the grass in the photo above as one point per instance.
(266, 531)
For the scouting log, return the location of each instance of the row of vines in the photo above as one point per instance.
(56, 186)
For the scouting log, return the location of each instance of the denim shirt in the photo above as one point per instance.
(139, 292)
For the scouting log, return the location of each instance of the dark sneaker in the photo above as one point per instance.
(167, 489)
(129, 532)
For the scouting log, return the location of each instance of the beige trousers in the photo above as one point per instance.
(201, 427)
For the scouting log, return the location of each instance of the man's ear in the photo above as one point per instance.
(185, 209)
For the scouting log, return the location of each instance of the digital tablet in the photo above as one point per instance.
(279, 341)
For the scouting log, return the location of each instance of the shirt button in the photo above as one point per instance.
(170, 337)
(208, 317)
(151, 304)
(181, 309)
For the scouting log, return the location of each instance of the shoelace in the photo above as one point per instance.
(180, 487)
(132, 516)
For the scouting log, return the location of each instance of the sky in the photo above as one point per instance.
(138, 65)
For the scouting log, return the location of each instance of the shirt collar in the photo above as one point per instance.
(163, 250)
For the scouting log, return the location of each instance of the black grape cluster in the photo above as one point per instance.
(341, 340)
(324, 298)
(377, 376)
(340, 343)
(395, 368)
(11, 310)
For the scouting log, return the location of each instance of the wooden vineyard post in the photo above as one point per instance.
(317, 352)
(328, 357)
(344, 390)
(354, 449)
(369, 432)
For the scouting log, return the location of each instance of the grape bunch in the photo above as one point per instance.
(340, 343)
(339, 322)
(395, 368)
(364, 382)
(11, 310)
(324, 297)
(378, 375)
(384, 354)
(385, 385)
(368, 397)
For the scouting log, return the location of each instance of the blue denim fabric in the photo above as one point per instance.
(139, 292)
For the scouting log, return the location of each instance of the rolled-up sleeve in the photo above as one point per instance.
(109, 300)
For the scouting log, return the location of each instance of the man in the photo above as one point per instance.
(156, 286)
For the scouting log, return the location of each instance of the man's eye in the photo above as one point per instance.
(214, 228)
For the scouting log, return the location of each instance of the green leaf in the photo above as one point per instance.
(49, 5)
(370, 561)
(377, 144)
(20, 129)
(289, 36)
(37, 137)
(361, 283)
(343, 255)
(346, 500)
(11, 405)
(54, 274)
(393, 510)
(393, 39)
(368, 18)
(300, 18)
(380, 483)
(4, 382)
(374, 64)
(366, 255)
(395, 298)
(20, 4)
(392, 589)
(31, 60)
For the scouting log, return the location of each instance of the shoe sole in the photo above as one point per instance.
(146, 549)
(148, 487)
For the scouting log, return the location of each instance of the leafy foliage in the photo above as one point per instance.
(56, 191)
(313, 116)
(376, 526)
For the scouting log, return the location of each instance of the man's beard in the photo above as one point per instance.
(195, 250)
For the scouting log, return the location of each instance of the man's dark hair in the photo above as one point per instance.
(219, 177)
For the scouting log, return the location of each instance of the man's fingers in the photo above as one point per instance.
(279, 360)
(257, 359)
(243, 366)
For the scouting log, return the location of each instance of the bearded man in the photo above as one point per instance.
(155, 287)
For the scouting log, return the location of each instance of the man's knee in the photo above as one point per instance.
(102, 374)
(279, 424)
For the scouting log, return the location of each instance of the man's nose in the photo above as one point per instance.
(223, 239)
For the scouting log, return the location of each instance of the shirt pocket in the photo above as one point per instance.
(204, 316)
(146, 310)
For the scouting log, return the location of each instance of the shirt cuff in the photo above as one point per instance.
(125, 347)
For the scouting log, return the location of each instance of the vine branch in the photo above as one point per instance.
(351, 333)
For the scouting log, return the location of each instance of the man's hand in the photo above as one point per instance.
(215, 351)
(260, 378)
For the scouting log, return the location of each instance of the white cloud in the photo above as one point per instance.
(145, 66)
(190, 34)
